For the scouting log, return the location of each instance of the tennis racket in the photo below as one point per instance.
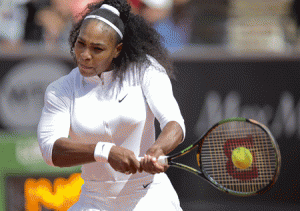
(214, 157)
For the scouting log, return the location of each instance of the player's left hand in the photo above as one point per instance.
(150, 164)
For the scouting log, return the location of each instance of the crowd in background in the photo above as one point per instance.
(180, 22)
(49, 21)
(46, 22)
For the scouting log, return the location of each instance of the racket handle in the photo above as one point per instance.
(163, 160)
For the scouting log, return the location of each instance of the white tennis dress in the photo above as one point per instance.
(92, 110)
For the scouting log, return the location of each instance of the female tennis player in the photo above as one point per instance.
(101, 115)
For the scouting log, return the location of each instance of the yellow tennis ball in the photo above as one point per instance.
(242, 158)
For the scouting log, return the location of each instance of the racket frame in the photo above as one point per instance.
(204, 175)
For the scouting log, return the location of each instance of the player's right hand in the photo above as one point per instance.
(123, 160)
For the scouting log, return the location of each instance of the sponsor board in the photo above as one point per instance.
(22, 92)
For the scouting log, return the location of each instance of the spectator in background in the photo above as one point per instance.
(296, 15)
(155, 10)
(79, 6)
(33, 32)
(183, 14)
(12, 23)
(171, 18)
(135, 5)
(56, 21)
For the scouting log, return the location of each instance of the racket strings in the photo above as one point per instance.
(216, 156)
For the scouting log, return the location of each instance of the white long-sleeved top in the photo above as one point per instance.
(93, 109)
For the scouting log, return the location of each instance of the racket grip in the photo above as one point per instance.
(163, 160)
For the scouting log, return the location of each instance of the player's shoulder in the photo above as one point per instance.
(138, 72)
(153, 68)
(153, 65)
(153, 61)
(64, 83)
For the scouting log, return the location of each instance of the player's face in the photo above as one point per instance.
(95, 48)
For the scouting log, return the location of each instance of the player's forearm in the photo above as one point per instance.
(66, 153)
(170, 137)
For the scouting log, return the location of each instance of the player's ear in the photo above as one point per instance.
(118, 49)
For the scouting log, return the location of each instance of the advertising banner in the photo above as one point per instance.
(264, 90)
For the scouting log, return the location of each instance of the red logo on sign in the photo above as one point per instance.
(232, 144)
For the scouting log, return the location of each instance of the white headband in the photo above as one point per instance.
(112, 9)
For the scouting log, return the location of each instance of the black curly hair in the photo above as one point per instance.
(139, 40)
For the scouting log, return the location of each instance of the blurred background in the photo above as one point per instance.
(233, 58)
